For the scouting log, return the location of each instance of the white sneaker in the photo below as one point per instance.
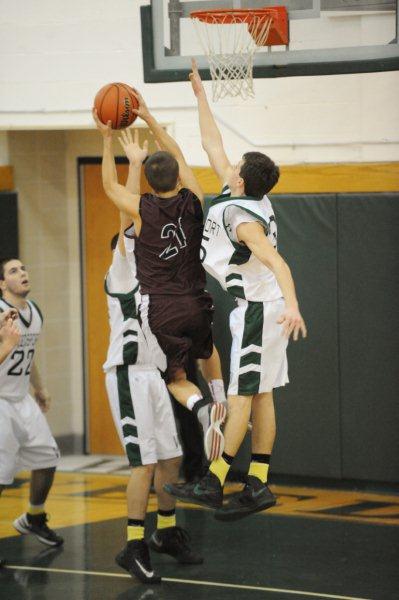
(211, 418)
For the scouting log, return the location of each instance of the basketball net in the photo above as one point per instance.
(229, 40)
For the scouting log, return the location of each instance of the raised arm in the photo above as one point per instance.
(211, 138)
(253, 236)
(170, 145)
(124, 200)
(125, 221)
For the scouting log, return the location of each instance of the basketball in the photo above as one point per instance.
(115, 102)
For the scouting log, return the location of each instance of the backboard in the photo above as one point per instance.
(325, 37)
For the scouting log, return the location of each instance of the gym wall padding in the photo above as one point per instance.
(8, 224)
(339, 416)
(368, 299)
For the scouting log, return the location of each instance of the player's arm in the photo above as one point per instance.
(211, 138)
(40, 392)
(167, 143)
(9, 336)
(253, 236)
(125, 221)
(120, 196)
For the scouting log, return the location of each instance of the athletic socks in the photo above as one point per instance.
(259, 466)
(200, 407)
(166, 518)
(135, 529)
(221, 466)
(216, 387)
(196, 402)
(36, 509)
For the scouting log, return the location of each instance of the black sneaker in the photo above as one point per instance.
(135, 559)
(37, 524)
(206, 492)
(174, 541)
(255, 497)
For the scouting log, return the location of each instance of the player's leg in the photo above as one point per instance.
(256, 495)
(38, 453)
(40, 486)
(183, 326)
(128, 396)
(272, 372)
(209, 490)
(9, 445)
(244, 383)
(212, 372)
(169, 537)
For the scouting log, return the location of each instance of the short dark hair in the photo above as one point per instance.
(259, 173)
(162, 171)
(3, 261)
(114, 241)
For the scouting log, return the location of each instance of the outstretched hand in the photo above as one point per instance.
(10, 313)
(293, 323)
(105, 130)
(133, 151)
(10, 333)
(142, 111)
(195, 78)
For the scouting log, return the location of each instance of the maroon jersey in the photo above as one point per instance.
(168, 248)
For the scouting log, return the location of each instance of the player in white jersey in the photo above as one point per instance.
(239, 250)
(143, 416)
(25, 437)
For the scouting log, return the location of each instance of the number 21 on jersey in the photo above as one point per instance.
(178, 239)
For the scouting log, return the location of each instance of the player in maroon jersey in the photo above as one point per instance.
(168, 225)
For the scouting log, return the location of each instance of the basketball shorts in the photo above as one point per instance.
(182, 326)
(143, 414)
(258, 361)
(26, 441)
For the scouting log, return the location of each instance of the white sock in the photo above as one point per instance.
(193, 400)
(217, 390)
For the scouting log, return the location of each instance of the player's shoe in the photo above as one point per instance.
(135, 559)
(212, 418)
(37, 525)
(255, 497)
(206, 492)
(174, 541)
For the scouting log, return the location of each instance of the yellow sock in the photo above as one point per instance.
(135, 532)
(164, 521)
(36, 509)
(259, 470)
(220, 468)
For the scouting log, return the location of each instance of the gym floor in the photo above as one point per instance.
(315, 543)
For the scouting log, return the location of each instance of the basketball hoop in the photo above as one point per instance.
(230, 39)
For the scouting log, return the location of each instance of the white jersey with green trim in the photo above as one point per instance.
(237, 270)
(129, 343)
(15, 369)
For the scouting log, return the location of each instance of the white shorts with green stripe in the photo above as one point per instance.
(143, 414)
(258, 361)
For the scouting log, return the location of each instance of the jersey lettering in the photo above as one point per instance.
(19, 355)
(176, 233)
(211, 227)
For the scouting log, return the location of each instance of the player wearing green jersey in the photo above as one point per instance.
(240, 251)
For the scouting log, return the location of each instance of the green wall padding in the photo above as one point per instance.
(369, 331)
(339, 416)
